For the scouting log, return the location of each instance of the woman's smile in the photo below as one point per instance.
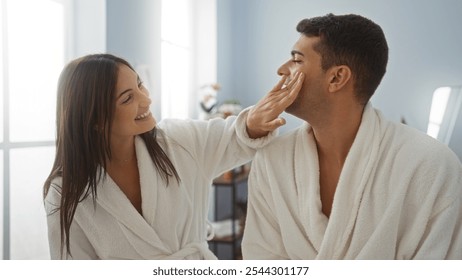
(143, 116)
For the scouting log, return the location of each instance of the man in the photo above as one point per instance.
(349, 184)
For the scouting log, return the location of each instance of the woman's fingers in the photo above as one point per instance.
(289, 93)
(281, 82)
(295, 89)
(264, 116)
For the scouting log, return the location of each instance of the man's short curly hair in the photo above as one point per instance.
(354, 41)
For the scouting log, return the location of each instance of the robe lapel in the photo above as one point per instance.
(350, 188)
(149, 181)
(113, 200)
(307, 184)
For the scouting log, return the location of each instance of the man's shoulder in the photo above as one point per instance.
(408, 143)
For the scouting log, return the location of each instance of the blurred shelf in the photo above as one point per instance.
(227, 239)
(231, 179)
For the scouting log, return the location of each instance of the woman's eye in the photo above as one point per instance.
(126, 100)
(296, 61)
(140, 84)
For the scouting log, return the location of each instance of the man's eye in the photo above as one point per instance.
(296, 61)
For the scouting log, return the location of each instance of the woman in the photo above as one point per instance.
(122, 187)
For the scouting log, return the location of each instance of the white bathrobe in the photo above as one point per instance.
(399, 196)
(174, 220)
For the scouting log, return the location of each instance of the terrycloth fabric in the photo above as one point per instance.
(399, 196)
(174, 221)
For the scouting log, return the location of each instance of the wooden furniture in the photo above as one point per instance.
(234, 181)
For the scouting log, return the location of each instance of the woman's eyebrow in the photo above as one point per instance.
(124, 92)
(138, 80)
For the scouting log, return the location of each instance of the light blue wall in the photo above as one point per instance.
(129, 25)
(424, 37)
(89, 27)
(133, 32)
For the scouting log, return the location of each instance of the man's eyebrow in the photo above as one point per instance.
(294, 52)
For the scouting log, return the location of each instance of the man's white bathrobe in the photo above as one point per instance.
(399, 196)
(174, 220)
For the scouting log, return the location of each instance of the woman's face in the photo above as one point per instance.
(132, 115)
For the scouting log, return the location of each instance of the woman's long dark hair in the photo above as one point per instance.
(85, 109)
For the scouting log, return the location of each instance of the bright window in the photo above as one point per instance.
(1, 204)
(445, 109)
(28, 231)
(438, 108)
(2, 89)
(188, 55)
(177, 51)
(2, 110)
(35, 62)
(34, 45)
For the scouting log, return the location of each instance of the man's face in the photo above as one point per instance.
(306, 60)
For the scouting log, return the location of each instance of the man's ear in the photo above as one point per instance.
(338, 77)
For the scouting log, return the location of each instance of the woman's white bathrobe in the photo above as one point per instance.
(174, 221)
(399, 196)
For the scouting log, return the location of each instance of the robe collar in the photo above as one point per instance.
(330, 237)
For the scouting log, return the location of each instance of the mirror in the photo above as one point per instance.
(444, 112)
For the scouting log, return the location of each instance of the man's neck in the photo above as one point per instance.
(335, 136)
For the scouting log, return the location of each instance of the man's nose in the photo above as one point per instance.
(283, 70)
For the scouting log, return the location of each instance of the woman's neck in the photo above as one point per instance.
(122, 150)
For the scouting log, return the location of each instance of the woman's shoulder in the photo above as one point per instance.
(175, 128)
(53, 196)
(175, 124)
(189, 132)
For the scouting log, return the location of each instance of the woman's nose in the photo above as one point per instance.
(144, 99)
